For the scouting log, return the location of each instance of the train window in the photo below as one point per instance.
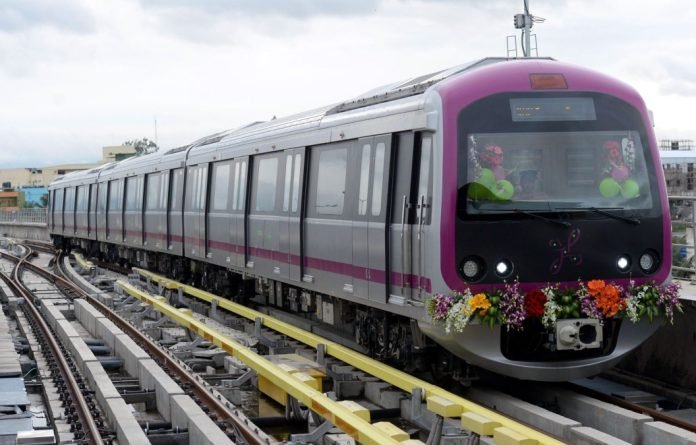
(288, 178)
(176, 186)
(331, 181)
(101, 202)
(70, 199)
(163, 191)
(134, 193)
(242, 185)
(266, 184)
(364, 179)
(424, 179)
(296, 182)
(81, 198)
(115, 195)
(378, 179)
(197, 189)
(153, 191)
(235, 194)
(221, 185)
(58, 204)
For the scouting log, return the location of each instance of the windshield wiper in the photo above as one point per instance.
(603, 211)
(565, 224)
(634, 221)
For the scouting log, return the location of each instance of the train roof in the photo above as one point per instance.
(401, 96)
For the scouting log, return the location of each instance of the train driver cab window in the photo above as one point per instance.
(331, 181)
(265, 186)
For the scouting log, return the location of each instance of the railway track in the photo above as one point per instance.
(439, 411)
(84, 426)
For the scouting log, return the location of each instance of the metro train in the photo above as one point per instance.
(353, 216)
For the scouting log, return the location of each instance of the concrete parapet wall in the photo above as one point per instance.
(38, 232)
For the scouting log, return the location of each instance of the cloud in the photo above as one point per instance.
(296, 9)
(67, 15)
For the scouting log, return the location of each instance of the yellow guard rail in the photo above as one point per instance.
(397, 378)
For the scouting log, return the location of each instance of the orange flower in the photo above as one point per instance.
(595, 287)
(607, 296)
(479, 301)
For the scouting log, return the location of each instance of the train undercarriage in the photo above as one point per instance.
(387, 337)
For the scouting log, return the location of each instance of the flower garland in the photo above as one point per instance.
(510, 307)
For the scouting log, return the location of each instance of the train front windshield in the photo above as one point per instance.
(553, 154)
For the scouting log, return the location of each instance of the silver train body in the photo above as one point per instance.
(346, 206)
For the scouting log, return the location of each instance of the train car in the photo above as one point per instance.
(523, 196)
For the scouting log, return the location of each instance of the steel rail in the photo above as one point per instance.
(655, 414)
(92, 433)
(222, 410)
(397, 378)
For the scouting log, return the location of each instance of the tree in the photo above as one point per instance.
(142, 146)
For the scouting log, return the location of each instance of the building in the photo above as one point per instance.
(35, 180)
(10, 200)
(679, 167)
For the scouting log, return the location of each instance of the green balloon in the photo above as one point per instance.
(479, 192)
(630, 189)
(609, 187)
(504, 189)
(486, 178)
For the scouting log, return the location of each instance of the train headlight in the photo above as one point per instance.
(503, 268)
(648, 261)
(472, 268)
(623, 263)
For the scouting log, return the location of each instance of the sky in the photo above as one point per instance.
(77, 75)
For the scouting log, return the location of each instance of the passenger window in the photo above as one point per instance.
(242, 186)
(114, 195)
(296, 183)
(175, 188)
(153, 191)
(102, 196)
(331, 181)
(70, 200)
(133, 193)
(58, 200)
(266, 184)
(163, 191)
(378, 179)
(288, 178)
(235, 194)
(424, 179)
(221, 186)
(364, 179)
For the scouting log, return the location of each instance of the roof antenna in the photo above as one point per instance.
(525, 22)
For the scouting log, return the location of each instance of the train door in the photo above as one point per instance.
(264, 214)
(91, 211)
(175, 228)
(290, 260)
(239, 206)
(155, 215)
(403, 205)
(69, 214)
(419, 247)
(115, 211)
(58, 210)
(102, 195)
(194, 210)
(370, 226)
(219, 231)
(133, 212)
